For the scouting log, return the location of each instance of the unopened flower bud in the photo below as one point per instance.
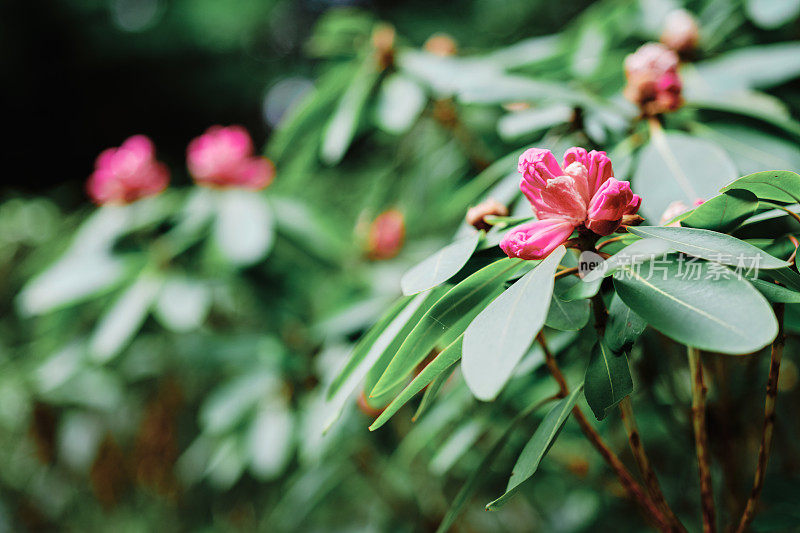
(386, 235)
(441, 44)
(681, 32)
(223, 157)
(383, 40)
(476, 215)
(653, 81)
(125, 174)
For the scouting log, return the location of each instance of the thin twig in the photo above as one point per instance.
(633, 488)
(566, 272)
(642, 461)
(626, 409)
(769, 423)
(701, 440)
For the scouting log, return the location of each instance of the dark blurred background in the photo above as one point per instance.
(82, 75)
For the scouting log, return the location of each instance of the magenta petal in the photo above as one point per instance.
(536, 239)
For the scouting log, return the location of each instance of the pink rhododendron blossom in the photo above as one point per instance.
(653, 81)
(386, 235)
(580, 193)
(536, 239)
(223, 157)
(125, 174)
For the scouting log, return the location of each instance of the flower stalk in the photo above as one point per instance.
(769, 423)
(699, 391)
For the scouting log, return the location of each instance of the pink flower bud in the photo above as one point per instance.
(125, 174)
(613, 200)
(653, 81)
(386, 235)
(223, 157)
(536, 239)
(537, 166)
(681, 32)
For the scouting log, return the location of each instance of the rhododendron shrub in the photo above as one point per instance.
(545, 269)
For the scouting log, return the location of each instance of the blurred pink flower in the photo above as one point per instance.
(653, 81)
(386, 235)
(223, 157)
(675, 209)
(582, 193)
(536, 239)
(125, 174)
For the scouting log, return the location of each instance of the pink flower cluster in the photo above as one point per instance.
(653, 81)
(125, 174)
(221, 157)
(584, 193)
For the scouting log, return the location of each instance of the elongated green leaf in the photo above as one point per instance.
(787, 276)
(676, 166)
(501, 334)
(458, 302)
(772, 13)
(245, 226)
(538, 446)
(712, 246)
(446, 358)
(723, 212)
(364, 344)
(624, 326)
(439, 267)
(432, 391)
(699, 304)
(775, 185)
(752, 67)
(341, 129)
(400, 101)
(776, 293)
(608, 380)
(479, 473)
(123, 320)
(633, 254)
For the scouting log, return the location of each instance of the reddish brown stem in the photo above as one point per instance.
(699, 390)
(769, 423)
(643, 462)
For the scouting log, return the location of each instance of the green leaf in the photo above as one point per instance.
(775, 185)
(569, 315)
(364, 344)
(538, 446)
(754, 150)
(770, 14)
(624, 326)
(635, 253)
(441, 266)
(723, 212)
(712, 246)
(608, 380)
(400, 102)
(752, 67)
(704, 305)
(118, 326)
(676, 166)
(341, 128)
(245, 227)
(432, 391)
(518, 124)
(479, 474)
(501, 334)
(458, 303)
(446, 359)
(183, 303)
(582, 290)
(775, 293)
